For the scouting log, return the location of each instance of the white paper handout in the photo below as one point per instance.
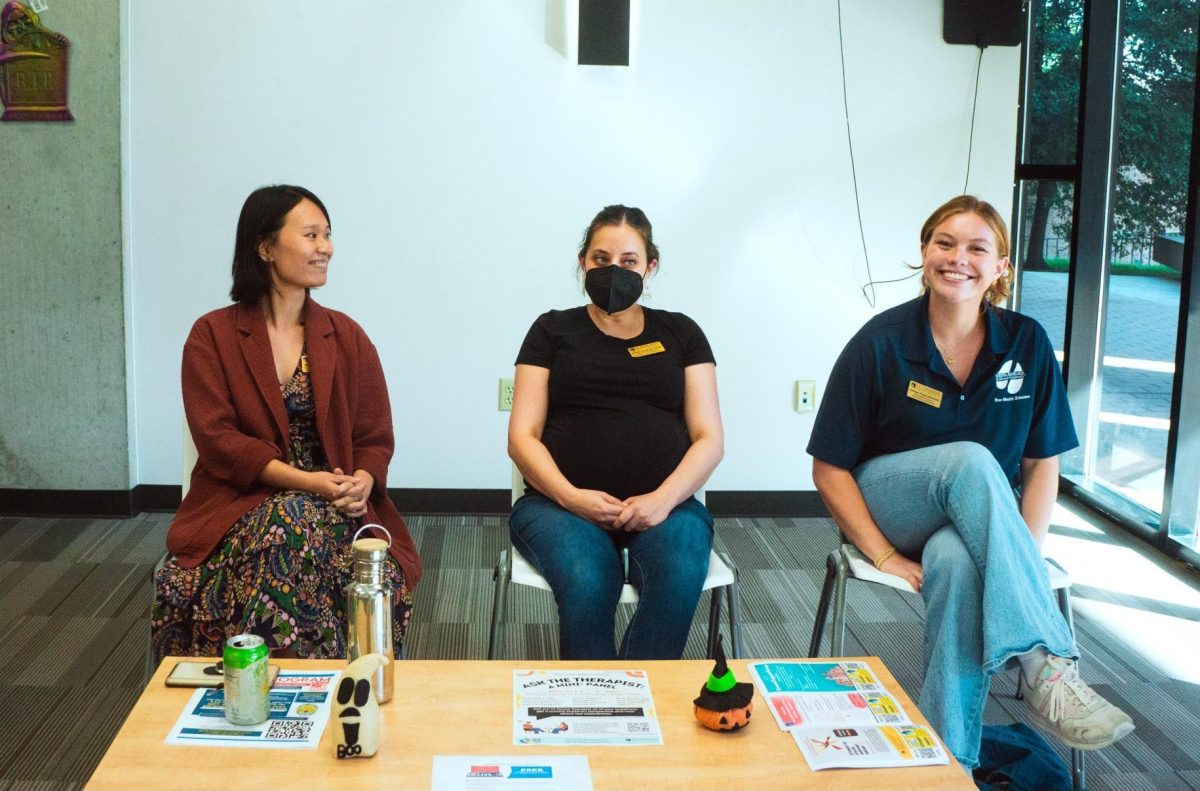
(300, 706)
(535, 773)
(595, 707)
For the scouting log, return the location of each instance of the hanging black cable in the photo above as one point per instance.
(853, 169)
(971, 133)
(871, 281)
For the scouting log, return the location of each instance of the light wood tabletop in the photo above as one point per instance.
(465, 708)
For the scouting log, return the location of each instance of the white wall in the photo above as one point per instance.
(461, 155)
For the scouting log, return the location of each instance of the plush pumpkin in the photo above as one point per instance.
(728, 720)
(724, 703)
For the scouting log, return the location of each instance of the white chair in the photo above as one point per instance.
(721, 578)
(190, 456)
(847, 562)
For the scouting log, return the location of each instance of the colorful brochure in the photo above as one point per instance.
(841, 716)
(300, 707)
(825, 693)
(592, 707)
(870, 747)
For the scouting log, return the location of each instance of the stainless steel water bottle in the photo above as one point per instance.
(369, 608)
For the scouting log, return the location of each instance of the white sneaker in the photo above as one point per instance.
(1062, 704)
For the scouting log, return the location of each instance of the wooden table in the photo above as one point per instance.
(465, 708)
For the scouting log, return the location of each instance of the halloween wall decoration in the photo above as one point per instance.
(33, 67)
(724, 702)
(355, 710)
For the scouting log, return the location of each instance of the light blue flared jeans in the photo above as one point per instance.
(987, 596)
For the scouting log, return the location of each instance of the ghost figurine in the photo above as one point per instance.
(355, 710)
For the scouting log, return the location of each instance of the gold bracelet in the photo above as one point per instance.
(883, 556)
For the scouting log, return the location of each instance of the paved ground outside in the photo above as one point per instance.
(1143, 316)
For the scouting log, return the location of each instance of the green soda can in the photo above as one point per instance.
(247, 689)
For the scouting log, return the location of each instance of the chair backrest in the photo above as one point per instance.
(190, 456)
(518, 484)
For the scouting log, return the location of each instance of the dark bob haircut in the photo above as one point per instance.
(262, 216)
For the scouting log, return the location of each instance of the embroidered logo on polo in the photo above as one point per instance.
(1010, 377)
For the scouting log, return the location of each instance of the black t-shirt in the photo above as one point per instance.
(615, 419)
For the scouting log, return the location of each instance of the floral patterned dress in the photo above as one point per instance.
(281, 572)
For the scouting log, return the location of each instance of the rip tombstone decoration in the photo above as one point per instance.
(33, 67)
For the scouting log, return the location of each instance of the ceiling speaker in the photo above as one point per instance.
(604, 32)
(982, 23)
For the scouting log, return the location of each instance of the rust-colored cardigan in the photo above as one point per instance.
(235, 410)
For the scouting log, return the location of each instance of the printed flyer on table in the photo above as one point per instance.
(501, 772)
(842, 717)
(593, 707)
(802, 694)
(300, 707)
(868, 747)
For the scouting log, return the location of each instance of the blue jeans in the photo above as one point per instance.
(987, 596)
(582, 563)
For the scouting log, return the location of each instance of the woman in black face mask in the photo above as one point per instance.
(615, 426)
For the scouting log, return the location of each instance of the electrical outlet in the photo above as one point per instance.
(806, 395)
(506, 394)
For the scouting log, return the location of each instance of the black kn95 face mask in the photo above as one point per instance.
(613, 288)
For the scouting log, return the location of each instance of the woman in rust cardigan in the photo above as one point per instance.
(288, 407)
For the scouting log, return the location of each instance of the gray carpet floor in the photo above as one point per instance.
(74, 595)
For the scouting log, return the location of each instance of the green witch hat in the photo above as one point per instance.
(722, 691)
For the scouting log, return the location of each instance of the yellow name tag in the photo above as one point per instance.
(924, 394)
(647, 349)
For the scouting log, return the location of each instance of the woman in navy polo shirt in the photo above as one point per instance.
(936, 412)
(615, 426)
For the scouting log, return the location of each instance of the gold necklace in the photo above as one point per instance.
(951, 358)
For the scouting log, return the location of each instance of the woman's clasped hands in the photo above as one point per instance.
(347, 493)
(633, 514)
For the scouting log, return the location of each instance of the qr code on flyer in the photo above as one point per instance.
(288, 729)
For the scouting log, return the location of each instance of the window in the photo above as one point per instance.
(1118, 306)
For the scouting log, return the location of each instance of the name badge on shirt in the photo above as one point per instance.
(925, 394)
(646, 349)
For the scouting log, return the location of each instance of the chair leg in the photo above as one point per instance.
(1078, 781)
(714, 621)
(501, 575)
(837, 640)
(1078, 777)
(814, 645)
(151, 665)
(1064, 604)
(734, 592)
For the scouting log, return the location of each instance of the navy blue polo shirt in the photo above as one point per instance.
(890, 391)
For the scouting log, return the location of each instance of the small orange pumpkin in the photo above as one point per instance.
(728, 720)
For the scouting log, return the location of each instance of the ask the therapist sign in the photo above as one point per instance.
(33, 67)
